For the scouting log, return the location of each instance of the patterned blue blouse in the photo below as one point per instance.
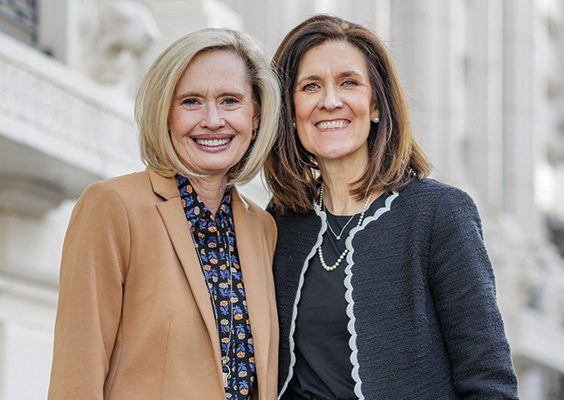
(211, 234)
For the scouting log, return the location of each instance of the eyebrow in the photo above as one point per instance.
(343, 74)
(349, 73)
(237, 94)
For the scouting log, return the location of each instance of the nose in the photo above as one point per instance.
(212, 119)
(331, 99)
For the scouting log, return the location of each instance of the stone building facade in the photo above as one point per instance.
(486, 90)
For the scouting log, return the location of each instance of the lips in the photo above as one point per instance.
(212, 142)
(336, 124)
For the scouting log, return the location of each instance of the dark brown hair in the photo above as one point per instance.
(395, 158)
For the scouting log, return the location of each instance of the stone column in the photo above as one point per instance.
(59, 132)
(482, 156)
(270, 21)
(427, 44)
(532, 382)
(519, 128)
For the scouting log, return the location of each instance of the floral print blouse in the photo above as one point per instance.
(214, 239)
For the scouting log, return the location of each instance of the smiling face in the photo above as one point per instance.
(212, 115)
(333, 104)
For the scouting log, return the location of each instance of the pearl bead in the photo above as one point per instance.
(330, 268)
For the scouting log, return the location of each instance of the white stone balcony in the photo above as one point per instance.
(58, 131)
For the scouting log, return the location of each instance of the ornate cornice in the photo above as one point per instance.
(67, 130)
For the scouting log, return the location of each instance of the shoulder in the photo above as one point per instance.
(292, 218)
(430, 193)
(250, 206)
(123, 188)
(255, 210)
(250, 220)
(448, 211)
(428, 204)
(295, 231)
(125, 183)
(102, 212)
(123, 195)
(427, 187)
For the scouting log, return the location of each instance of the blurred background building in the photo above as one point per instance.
(485, 83)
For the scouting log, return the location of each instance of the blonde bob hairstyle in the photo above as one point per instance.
(157, 89)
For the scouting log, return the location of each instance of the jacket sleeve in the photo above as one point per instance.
(463, 288)
(272, 232)
(272, 237)
(93, 268)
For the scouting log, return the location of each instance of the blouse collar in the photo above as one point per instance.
(196, 209)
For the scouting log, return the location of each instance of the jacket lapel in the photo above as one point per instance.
(172, 213)
(252, 260)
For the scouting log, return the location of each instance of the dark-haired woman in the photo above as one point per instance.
(384, 286)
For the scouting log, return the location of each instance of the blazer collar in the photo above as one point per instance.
(253, 254)
(164, 187)
(172, 214)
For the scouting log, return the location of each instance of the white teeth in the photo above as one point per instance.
(332, 124)
(212, 143)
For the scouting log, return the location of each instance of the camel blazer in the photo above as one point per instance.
(134, 318)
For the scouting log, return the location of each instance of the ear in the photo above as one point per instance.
(374, 114)
(256, 121)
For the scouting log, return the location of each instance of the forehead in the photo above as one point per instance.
(215, 67)
(335, 56)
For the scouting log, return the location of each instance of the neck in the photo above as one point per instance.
(336, 193)
(338, 174)
(211, 190)
(338, 200)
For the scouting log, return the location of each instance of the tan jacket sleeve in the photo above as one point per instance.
(271, 232)
(93, 268)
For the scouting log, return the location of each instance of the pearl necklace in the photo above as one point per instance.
(330, 268)
(338, 237)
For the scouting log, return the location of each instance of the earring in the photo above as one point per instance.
(376, 120)
(294, 125)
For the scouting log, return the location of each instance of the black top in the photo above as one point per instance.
(323, 366)
(425, 323)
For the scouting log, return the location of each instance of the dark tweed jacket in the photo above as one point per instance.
(421, 298)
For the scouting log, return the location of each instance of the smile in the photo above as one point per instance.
(212, 142)
(338, 124)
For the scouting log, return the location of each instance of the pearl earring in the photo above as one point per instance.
(294, 125)
(376, 120)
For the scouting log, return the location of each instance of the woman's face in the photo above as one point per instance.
(212, 115)
(333, 103)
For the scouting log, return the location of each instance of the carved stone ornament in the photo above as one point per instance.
(116, 33)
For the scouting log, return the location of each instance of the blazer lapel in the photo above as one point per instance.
(172, 213)
(252, 259)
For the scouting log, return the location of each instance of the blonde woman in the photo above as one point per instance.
(166, 289)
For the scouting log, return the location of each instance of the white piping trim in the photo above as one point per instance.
(323, 217)
(349, 291)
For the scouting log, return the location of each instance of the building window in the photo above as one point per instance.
(18, 18)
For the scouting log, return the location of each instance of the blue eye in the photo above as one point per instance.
(189, 101)
(309, 87)
(230, 101)
(350, 83)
